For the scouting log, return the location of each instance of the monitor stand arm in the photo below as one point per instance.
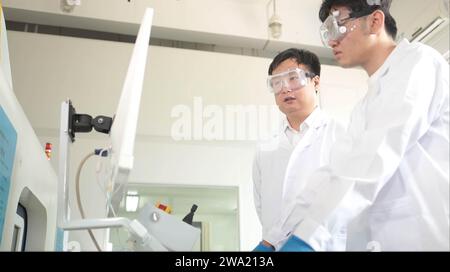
(139, 236)
(68, 127)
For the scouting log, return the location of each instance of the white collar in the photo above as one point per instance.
(311, 121)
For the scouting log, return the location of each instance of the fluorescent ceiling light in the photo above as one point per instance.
(132, 201)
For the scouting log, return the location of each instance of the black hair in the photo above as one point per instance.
(362, 7)
(301, 56)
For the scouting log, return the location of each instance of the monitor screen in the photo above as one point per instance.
(123, 129)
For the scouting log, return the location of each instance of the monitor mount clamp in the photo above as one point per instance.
(84, 123)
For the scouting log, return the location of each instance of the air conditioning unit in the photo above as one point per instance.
(434, 30)
(428, 32)
(435, 34)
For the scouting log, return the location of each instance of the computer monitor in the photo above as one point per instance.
(123, 129)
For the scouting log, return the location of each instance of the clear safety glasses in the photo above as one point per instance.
(292, 80)
(333, 28)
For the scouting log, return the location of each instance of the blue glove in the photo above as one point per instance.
(263, 248)
(295, 244)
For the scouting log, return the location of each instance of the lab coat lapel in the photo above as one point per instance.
(312, 133)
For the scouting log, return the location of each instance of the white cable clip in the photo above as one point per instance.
(69, 5)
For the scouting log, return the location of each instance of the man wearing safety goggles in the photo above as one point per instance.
(388, 177)
(295, 91)
(303, 144)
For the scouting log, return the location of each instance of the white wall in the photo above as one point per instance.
(48, 69)
(341, 89)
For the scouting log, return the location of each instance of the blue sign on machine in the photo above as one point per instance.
(8, 140)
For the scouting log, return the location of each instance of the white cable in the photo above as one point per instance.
(103, 174)
(79, 204)
(98, 172)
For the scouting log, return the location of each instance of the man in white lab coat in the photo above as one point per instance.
(294, 78)
(388, 178)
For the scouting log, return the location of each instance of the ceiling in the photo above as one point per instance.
(228, 23)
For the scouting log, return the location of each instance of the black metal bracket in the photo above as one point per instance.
(84, 123)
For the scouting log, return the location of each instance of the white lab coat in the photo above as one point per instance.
(388, 177)
(269, 166)
(311, 153)
(271, 160)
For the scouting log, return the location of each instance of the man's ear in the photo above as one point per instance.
(316, 82)
(376, 22)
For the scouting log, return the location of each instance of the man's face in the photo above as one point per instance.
(352, 49)
(301, 100)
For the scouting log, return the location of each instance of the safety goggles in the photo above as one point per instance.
(334, 29)
(292, 80)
